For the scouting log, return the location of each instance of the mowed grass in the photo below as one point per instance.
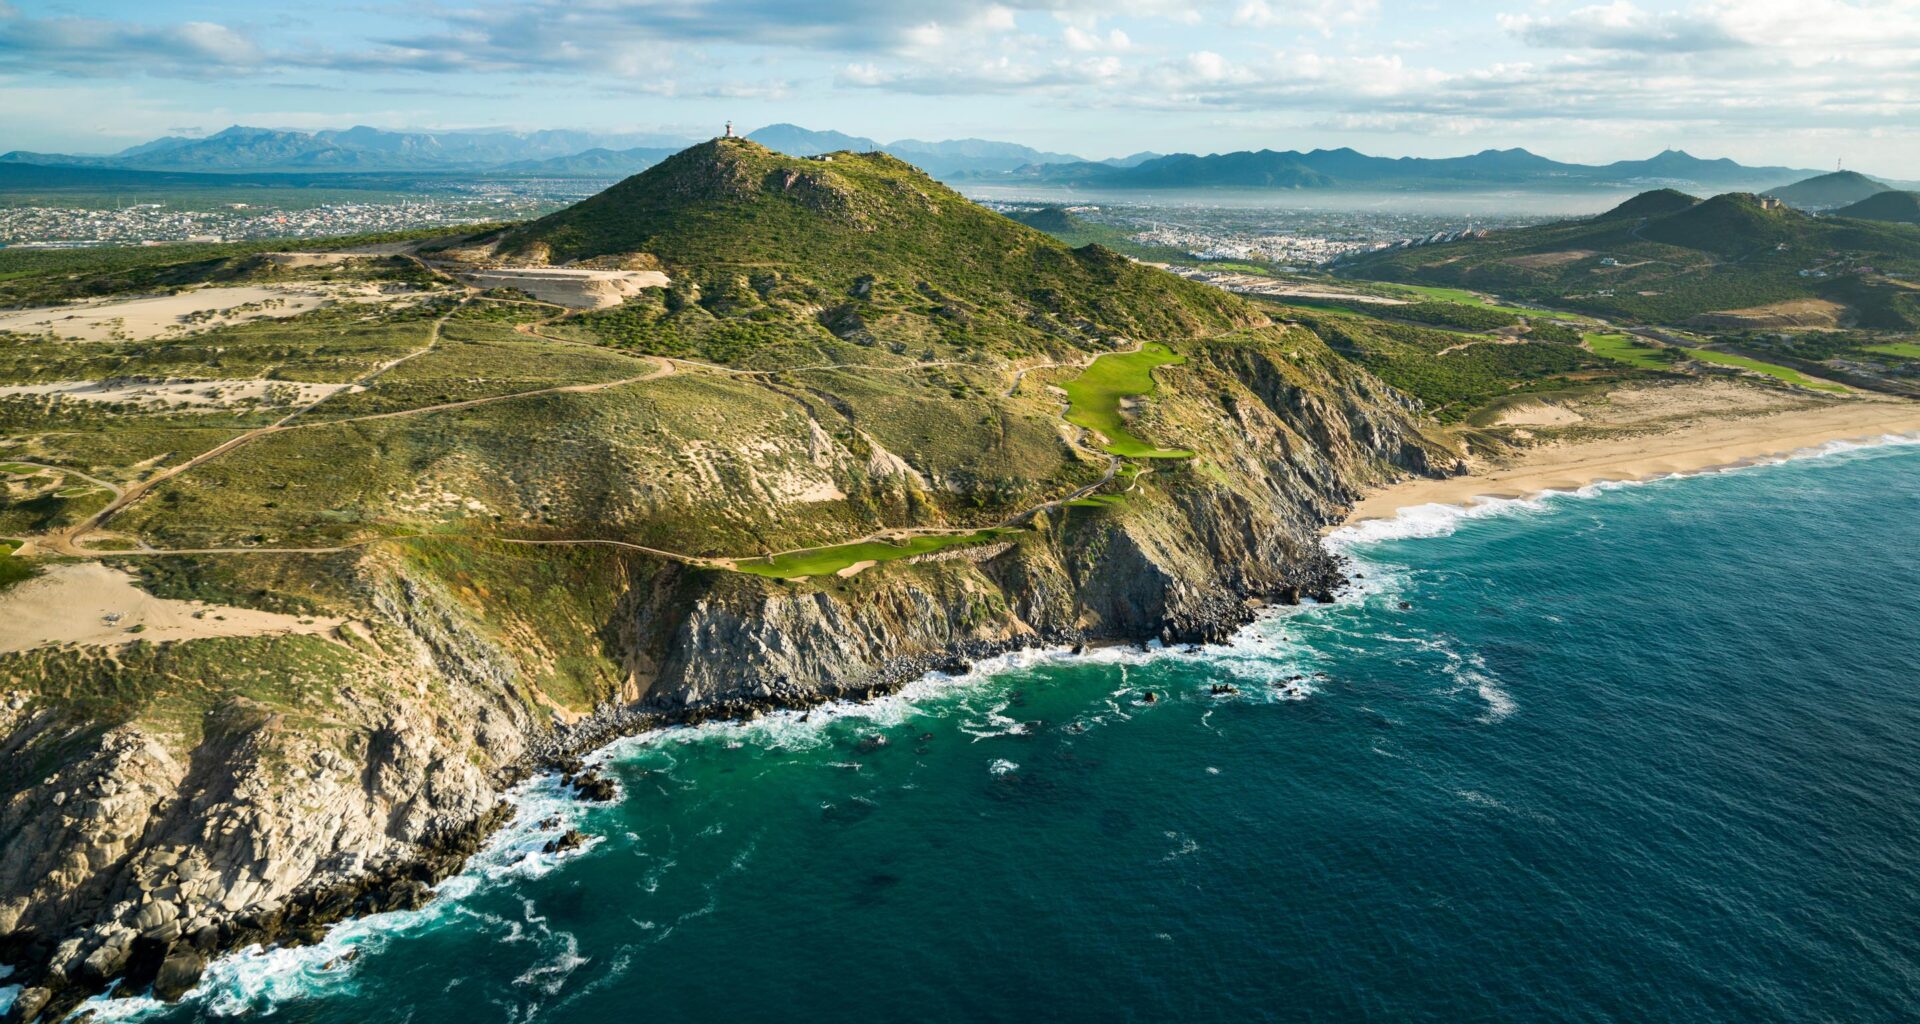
(1467, 298)
(795, 565)
(1094, 398)
(1625, 348)
(1903, 349)
(1774, 370)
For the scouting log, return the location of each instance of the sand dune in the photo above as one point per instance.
(157, 316)
(176, 394)
(91, 604)
(581, 289)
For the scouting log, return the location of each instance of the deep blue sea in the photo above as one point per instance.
(1648, 753)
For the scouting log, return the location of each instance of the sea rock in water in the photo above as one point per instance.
(179, 972)
(568, 840)
(594, 787)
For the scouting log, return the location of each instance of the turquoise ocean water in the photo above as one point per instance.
(1648, 753)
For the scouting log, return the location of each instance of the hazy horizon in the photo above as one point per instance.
(693, 138)
(1801, 84)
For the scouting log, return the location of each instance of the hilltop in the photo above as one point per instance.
(1899, 207)
(768, 249)
(1657, 203)
(1828, 190)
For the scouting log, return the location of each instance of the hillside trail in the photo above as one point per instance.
(67, 542)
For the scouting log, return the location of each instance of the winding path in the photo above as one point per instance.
(67, 542)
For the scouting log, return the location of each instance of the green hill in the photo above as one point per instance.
(1898, 207)
(1732, 223)
(1052, 219)
(1660, 258)
(1657, 203)
(767, 250)
(1828, 190)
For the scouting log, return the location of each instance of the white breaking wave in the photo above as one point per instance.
(255, 979)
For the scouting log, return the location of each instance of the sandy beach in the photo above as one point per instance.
(1709, 438)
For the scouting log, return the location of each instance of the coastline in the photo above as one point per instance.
(1701, 446)
(1703, 443)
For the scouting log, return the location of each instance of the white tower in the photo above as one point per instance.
(729, 133)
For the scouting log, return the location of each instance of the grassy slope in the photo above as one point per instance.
(1096, 393)
(1774, 370)
(1681, 261)
(1455, 374)
(1627, 349)
(772, 256)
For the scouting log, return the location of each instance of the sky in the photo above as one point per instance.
(1805, 83)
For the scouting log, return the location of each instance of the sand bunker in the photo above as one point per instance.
(176, 394)
(580, 289)
(90, 604)
(158, 316)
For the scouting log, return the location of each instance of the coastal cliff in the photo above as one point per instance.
(165, 802)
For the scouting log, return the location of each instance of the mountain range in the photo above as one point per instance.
(562, 153)
(354, 149)
(1347, 168)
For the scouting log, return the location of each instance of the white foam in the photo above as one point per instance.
(1001, 766)
(257, 979)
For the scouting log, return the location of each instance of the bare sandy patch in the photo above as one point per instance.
(177, 394)
(93, 605)
(297, 260)
(1538, 414)
(577, 288)
(1792, 313)
(1542, 260)
(158, 316)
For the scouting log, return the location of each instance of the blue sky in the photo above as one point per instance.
(1800, 82)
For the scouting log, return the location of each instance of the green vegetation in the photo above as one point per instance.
(1452, 314)
(38, 277)
(1078, 231)
(12, 569)
(1625, 348)
(1095, 395)
(1463, 297)
(830, 560)
(1455, 375)
(776, 259)
(1663, 258)
(1774, 370)
(1547, 330)
(1898, 207)
(1903, 349)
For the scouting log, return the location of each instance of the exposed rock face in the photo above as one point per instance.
(140, 856)
(132, 861)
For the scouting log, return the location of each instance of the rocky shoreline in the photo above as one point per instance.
(141, 861)
(168, 961)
